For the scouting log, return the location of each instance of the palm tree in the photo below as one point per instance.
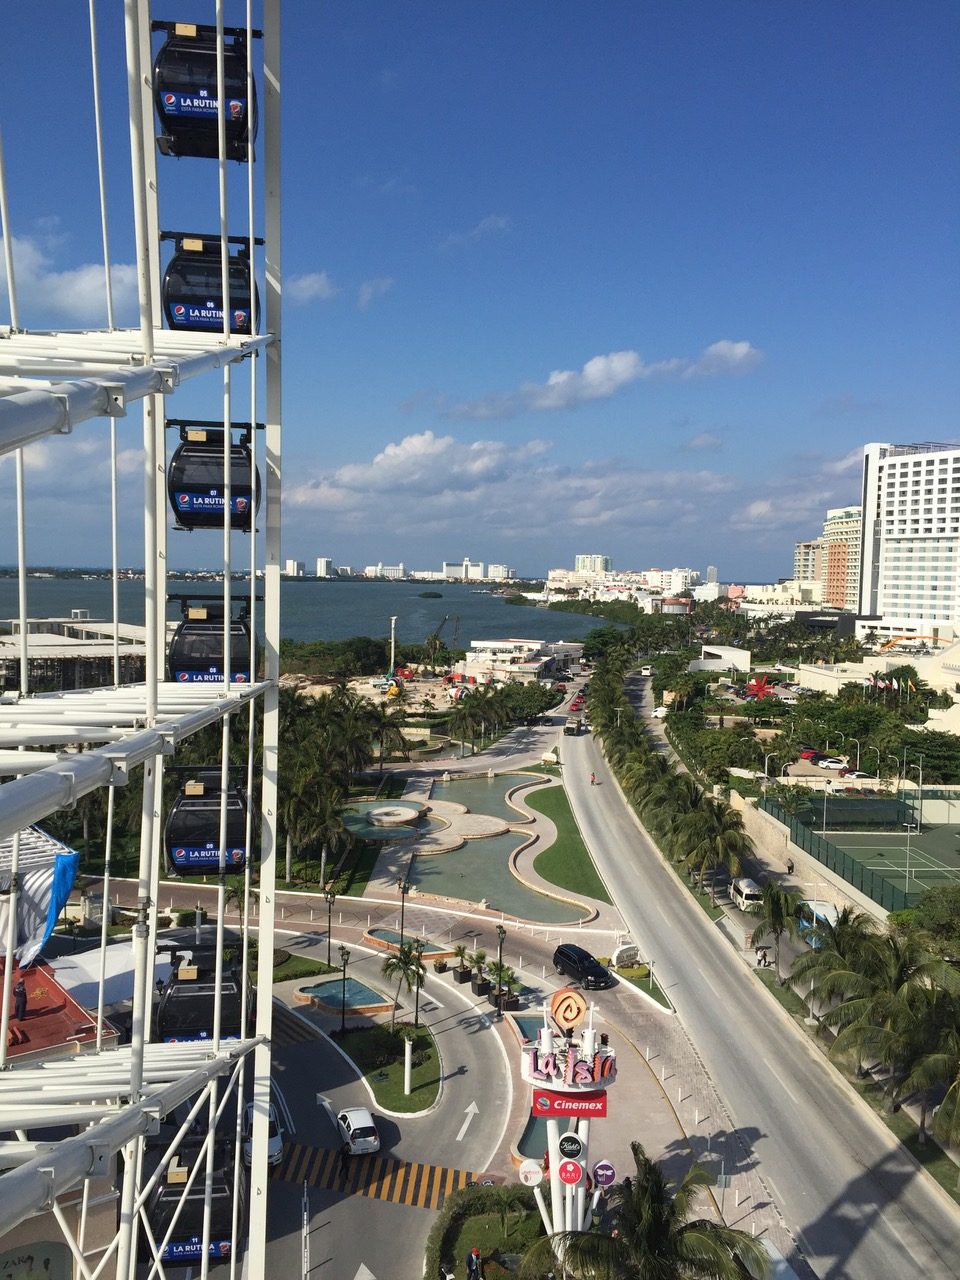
(777, 915)
(713, 837)
(930, 1060)
(406, 966)
(655, 1237)
(387, 729)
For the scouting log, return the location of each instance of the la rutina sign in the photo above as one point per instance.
(570, 1172)
(591, 1106)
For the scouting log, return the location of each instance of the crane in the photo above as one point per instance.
(432, 643)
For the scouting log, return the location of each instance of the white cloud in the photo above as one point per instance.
(492, 225)
(852, 461)
(49, 294)
(724, 357)
(310, 286)
(604, 376)
(371, 289)
(704, 441)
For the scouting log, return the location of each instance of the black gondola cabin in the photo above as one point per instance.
(192, 288)
(195, 481)
(185, 1245)
(192, 834)
(195, 655)
(185, 1005)
(185, 92)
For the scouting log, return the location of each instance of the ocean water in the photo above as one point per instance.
(314, 609)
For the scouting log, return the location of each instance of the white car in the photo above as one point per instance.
(832, 762)
(274, 1139)
(358, 1130)
(659, 713)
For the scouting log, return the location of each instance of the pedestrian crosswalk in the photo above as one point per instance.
(424, 1186)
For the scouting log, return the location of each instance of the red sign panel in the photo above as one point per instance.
(593, 1105)
(570, 1172)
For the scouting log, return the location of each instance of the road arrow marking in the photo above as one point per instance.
(364, 1273)
(472, 1110)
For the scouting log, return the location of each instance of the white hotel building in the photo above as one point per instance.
(910, 563)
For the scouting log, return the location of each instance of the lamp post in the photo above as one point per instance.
(919, 768)
(877, 750)
(404, 886)
(906, 879)
(329, 898)
(344, 958)
(857, 741)
(501, 934)
(418, 952)
(768, 756)
(896, 764)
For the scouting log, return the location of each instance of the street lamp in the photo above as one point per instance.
(896, 763)
(344, 957)
(418, 951)
(770, 755)
(857, 741)
(501, 934)
(877, 750)
(906, 879)
(329, 898)
(404, 886)
(919, 768)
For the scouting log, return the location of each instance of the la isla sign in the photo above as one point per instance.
(590, 1105)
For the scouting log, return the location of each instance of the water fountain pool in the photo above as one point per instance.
(327, 994)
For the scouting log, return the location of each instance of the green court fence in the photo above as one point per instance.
(872, 883)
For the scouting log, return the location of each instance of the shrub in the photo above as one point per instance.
(464, 1204)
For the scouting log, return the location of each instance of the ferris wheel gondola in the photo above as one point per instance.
(192, 285)
(185, 92)
(195, 479)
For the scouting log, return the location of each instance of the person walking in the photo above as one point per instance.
(20, 1000)
(474, 1269)
(593, 779)
(344, 1165)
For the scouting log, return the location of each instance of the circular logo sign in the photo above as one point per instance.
(571, 1147)
(531, 1174)
(604, 1173)
(568, 1008)
(570, 1172)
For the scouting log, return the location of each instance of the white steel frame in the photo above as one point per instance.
(51, 383)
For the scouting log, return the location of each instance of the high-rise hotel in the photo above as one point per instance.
(910, 558)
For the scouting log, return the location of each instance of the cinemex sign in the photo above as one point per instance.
(591, 1106)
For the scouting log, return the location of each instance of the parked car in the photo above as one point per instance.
(358, 1130)
(854, 773)
(573, 962)
(274, 1140)
(811, 753)
(832, 762)
(659, 713)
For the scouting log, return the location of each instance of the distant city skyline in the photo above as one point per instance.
(638, 277)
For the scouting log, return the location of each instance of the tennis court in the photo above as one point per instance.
(929, 857)
(877, 843)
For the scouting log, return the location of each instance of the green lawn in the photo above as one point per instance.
(639, 976)
(379, 1056)
(567, 864)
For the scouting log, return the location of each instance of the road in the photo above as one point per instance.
(857, 1204)
(349, 1230)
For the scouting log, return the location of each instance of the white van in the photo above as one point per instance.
(746, 893)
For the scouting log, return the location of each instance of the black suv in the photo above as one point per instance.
(580, 965)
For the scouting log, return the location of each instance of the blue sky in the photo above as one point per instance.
(631, 278)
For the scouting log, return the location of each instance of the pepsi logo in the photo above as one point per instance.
(180, 309)
(183, 499)
(183, 676)
(236, 109)
(242, 504)
(169, 99)
(239, 317)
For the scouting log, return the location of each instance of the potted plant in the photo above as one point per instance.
(462, 972)
(440, 965)
(480, 986)
(511, 991)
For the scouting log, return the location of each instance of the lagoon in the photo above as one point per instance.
(317, 609)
